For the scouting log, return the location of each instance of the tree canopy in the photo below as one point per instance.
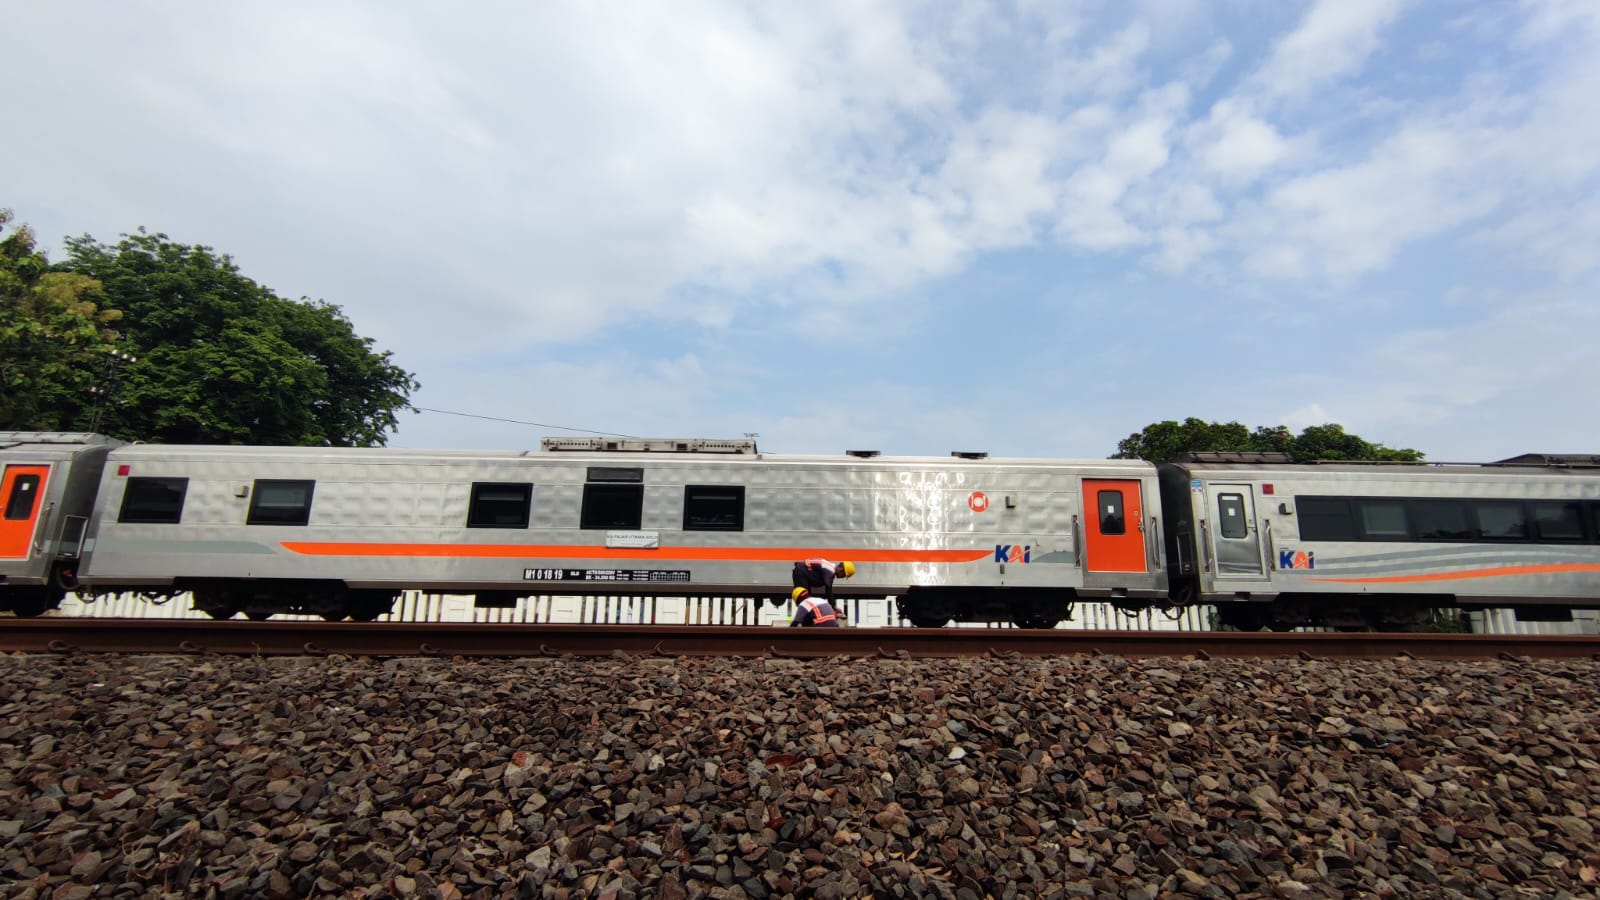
(221, 359)
(54, 341)
(1166, 441)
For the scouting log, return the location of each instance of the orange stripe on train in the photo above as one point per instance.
(563, 551)
(1493, 572)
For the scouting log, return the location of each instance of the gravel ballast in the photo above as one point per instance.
(1069, 777)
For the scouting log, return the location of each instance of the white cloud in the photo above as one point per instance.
(1236, 145)
(1333, 40)
(1353, 219)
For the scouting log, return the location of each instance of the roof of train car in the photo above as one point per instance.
(1387, 469)
(59, 441)
(379, 454)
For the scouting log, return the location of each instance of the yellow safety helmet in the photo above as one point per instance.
(849, 568)
(798, 594)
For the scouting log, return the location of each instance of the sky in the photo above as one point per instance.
(1029, 228)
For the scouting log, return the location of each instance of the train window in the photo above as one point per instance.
(499, 505)
(1557, 521)
(153, 500)
(280, 502)
(713, 507)
(23, 491)
(1325, 519)
(1230, 515)
(612, 505)
(1439, 520)
(1383, 520)
(1109, 504)
(1501, 520)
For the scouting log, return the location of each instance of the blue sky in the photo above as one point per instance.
(1029, 228)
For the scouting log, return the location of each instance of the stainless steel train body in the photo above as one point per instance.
(340, 532)
(47, 489)
(1382, 545)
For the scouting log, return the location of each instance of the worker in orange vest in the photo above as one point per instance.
(818, 575)
(812, 612)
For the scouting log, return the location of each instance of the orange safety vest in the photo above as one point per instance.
(816, 606)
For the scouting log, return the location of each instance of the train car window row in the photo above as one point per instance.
(280, 502)
(1444, 520)
(149, 500)
(713, 507)
(496, 505)
(606, 504)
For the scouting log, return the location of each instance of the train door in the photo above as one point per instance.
(1113, 527)
(20, 490)
(1235, 539)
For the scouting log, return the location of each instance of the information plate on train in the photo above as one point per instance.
(656, 575)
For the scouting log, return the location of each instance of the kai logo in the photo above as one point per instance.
(1290, 559)
(1015, 553)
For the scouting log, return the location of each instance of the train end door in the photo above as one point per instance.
(21, 508)
(1234, 531)
(1113, 527)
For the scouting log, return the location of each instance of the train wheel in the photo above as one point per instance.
(258, 615)
(333, 616)
(930, 621)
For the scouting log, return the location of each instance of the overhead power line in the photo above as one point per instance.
(448, 412)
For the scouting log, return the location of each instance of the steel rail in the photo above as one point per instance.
(298, 638)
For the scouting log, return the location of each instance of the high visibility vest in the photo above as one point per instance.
(825, 563)
(816, 607)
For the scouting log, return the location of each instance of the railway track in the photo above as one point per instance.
(300, 638)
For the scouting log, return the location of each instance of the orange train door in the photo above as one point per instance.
(20, 490)
(1113, 526)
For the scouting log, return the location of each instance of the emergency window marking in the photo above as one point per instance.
(1230, 513)
(1110, 506)
(23, 491)
(156, 501)
(280, 502)
(499, 505)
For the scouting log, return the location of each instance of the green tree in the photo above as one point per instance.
(222, 359)
(54, 343)
(1166, 441)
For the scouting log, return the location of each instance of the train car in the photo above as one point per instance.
(47, 487)
(1356, 545)
(341, 532)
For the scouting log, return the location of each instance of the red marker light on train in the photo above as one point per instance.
(1266, 489)
(124, 469)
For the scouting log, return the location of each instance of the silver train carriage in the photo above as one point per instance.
(341, 532)
(1352, 545)
(47, 489)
